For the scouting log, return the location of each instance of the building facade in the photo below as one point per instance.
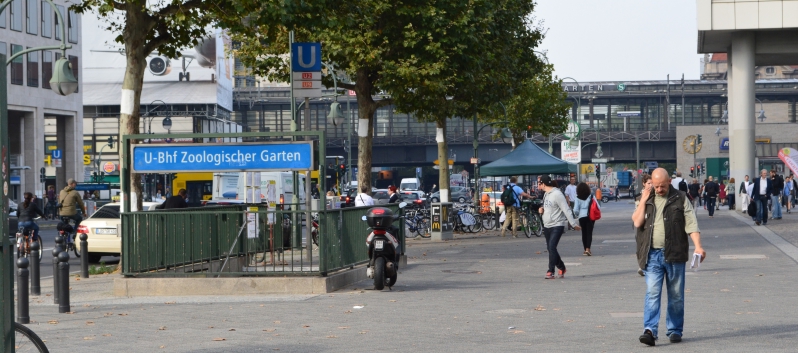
(39, 120)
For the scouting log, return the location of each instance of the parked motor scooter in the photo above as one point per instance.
(383, 246)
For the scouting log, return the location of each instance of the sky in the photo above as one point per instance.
(620, 40)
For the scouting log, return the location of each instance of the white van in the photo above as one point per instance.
(275, 187)
(410, 184)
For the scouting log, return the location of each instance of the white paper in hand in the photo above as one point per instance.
(696, 263)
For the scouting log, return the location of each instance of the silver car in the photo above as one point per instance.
(456, 193)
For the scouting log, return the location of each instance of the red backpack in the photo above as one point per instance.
(594, 211)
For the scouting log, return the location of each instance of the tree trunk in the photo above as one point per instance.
(365, 128)
(443, 160)
(135, 36)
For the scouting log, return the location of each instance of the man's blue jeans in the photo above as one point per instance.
(776, 206)
(553, 235)
(711, 205)
(658, 269)
(761, 209)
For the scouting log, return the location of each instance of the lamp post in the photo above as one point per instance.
(167, 125)
(62, 83)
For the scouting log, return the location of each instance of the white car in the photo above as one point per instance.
(101, 228)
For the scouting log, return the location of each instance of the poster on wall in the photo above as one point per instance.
(790, 158)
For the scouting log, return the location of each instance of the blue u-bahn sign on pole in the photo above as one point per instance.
(306, 57)
(170, 158)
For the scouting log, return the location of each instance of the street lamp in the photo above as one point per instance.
(62, 83)
(761, 116)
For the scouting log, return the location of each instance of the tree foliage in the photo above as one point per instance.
(539, 106)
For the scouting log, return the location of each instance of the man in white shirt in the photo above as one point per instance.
(744, 194)
(570, 195)
(363, 198)
(678, 179)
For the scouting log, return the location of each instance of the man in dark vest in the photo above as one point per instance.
(662, 220)
(176, 201)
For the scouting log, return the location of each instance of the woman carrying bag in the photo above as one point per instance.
(582, 210)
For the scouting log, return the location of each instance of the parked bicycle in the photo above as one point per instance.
(417, 222)
(531, 220)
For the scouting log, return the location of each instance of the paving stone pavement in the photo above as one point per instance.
(477, 293)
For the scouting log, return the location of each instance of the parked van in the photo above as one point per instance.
(275, 187)
(410, 184)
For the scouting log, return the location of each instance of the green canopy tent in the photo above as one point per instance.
(527, 159)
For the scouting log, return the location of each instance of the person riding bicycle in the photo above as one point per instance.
(27, 212)
(70, 199)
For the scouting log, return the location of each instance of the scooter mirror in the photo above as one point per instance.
(402, 205)
(363, 218)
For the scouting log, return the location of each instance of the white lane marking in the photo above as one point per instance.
(786, 247)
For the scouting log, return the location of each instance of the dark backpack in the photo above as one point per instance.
(683, 186)
(508, 196)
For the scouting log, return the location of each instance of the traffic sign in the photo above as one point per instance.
(305, 57)
(301, 85)
(57, 154)
(222, 157)
(599, 160)
(304, 76)
(58, 162)
(474, 160)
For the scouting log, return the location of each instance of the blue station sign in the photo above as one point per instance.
(724, 144)
(305, 57)
(170, 158)
(93, 187)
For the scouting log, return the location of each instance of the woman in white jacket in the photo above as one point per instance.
(582, 212)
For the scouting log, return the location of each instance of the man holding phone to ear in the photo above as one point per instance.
(663, 220)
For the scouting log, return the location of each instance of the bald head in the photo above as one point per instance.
(661, 181)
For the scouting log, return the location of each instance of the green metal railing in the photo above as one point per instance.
(212, 241)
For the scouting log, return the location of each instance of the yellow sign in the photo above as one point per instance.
(436, 162)
(253, 209)
(86, 159)
(588, 168)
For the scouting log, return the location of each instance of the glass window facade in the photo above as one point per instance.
(17, 66)
(47, 68)
(33, 69)
(15, 9)
(56, 23)
(3, 16)
(47, 20)
(72, 27)
(32, 16)
(75, 70)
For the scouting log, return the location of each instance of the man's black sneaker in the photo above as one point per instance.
(647, 338)
(675, 338)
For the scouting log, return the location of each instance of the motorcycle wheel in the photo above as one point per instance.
(379, 273)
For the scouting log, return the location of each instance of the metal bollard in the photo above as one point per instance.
(59, 241)
(84, 256)
(23, 315)
(35, 262)
(63, 282)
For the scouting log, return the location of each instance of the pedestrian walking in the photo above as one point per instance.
(788, 188)
(512, 209)
(556, 215)
(712, 190)
(730, 194)
(760, 193)
(662, 249)
(721, 195)
(582, 212)
(777, 183)
(745, 197)
(570, 194)
(695, 190)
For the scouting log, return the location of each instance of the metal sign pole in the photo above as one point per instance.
(6, 254)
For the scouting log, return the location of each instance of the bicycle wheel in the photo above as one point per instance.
(424, 227)
(26, 340)
(525, 225)
(41, 248)
(74, 248)
(410, 229)
(536, 224)
(477, 226)
(489, 221)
